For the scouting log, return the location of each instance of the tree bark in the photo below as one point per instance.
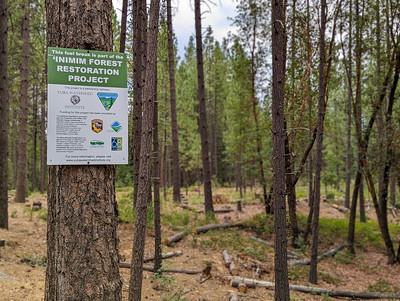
(349, 110)
(313, 276)
(174, 122)
(156, 184)
(139, 67)
(82, 252)
(205, 155)
(150, 90)
(124, 15)
(43, 141)
(363, 217)
(21, 188)
(34, 137)
(278, 140)
(4, 112)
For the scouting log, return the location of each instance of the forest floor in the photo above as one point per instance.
(23, 259)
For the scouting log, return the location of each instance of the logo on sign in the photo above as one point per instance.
(107, 99)
(75, 99)
(116, 126)
(97, 125)
(96, 143)
(116, 143)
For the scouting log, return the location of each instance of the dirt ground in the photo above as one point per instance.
(22, 264)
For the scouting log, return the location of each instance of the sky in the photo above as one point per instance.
(216, 15)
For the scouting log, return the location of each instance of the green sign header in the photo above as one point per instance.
(86, 68)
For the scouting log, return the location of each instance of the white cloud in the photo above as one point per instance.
(216, 15)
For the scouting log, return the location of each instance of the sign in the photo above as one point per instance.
(87, 107)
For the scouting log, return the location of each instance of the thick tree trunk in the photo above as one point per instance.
(150, 90)
(205, 155)
(139, 67)
(278, 140)
(82, 252)
(176, 181)
(4, 111)
(21, 188)
(124, 15)
(313, 278)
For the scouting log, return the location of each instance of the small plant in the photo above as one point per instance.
(344, 257)
(330, 196)
(381, 286)
(34, 260)
(176, 220)
(14, 214)
(42, 214)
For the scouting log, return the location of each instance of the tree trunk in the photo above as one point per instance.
(34, 137)
(150, 90)
(174, 122)
(313, 278)
(254, 104)
(278, 140)
(393, 188)
(4, 111)
(290, 190)
(156, 184)
(43, 144)
(82, 252)
(363, 217)
(122, 37)
(205, 155)
(139, 67)
(21, 188)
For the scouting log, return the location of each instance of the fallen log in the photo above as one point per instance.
(127, 265)
(340, 208)
(206, 228)
(165, 256)
(330, 253)
(176, 237)
(216, 211)
(252, 283)
(227, 258)
(233, 297)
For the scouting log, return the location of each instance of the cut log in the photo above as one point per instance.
(165, 256)
(227, 258)
(340, 208)
(127, 265)
(233, 297)
(206, 228)
(176, 238)
(252, 283)
(330, 253)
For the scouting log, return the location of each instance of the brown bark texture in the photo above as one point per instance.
(4, 112)
(205, 155)
(150, 90)
(82, 251)
(176, 180)
(20, 193)
(278, 152)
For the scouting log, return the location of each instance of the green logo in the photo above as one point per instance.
(107, 99)
(96, 143)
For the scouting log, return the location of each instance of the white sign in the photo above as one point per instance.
(87, 108)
